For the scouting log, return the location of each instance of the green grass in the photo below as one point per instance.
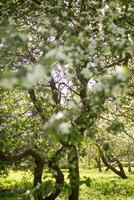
(94, 186)
(107, 186)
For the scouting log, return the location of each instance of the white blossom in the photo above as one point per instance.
(28, 192)
(38, 185)
(86, 73)
(63, 128)
(57, 53)
(98, 87)
(34, 76)
(56, 117)
(122, 73)
(8, 83)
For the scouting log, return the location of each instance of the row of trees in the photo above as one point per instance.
(66, 86)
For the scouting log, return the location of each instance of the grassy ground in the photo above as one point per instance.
(94, 186)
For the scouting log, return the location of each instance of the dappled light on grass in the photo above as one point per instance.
(16, 179)
(102, 186)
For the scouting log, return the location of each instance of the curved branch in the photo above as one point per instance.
(119, 172)
(36, 104)
(55, 93)
(58, 175)
(19, 156)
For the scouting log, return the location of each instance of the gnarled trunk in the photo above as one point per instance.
(58, 175)
(38, 171)
(119, 172)
(39, 164)
(73, 173)
(59, 182)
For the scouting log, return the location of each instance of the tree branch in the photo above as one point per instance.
(20, 156)
(36, 104)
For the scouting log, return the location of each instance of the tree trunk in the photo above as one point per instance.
(38, 172)
(38, 178)
(59, 182)
(129, 165)
(58, 175)
(98, 161)
(119, 172)
(122, 172)
(73, 173)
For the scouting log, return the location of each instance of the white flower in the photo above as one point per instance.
(38, 185)
(1, 45)
(28, 192)
(57, 53)
(105, 9)
(58, 116)
(98, 87)
(122, 73)
(51, 53)
(87, 73)
(8, 83)
(55, 118)
(34, 76)
(63, 128)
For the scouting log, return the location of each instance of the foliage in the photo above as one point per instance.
(66, 77)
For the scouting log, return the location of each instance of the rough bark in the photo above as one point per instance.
(55, 92)
(73, 173)
(38, 171)
(58, 175)
(37, 105)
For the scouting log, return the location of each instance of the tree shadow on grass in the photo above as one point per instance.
(7, 194)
